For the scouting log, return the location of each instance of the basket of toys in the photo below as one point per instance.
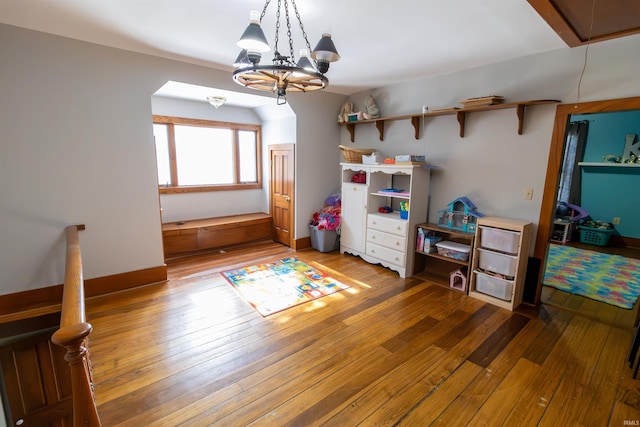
(595, 233)
(354, 155)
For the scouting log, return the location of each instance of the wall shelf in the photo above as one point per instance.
(609, 165)
(461, 114)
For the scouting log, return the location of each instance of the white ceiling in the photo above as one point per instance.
(380, 42)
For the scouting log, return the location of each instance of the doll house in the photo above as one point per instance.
(461, 214)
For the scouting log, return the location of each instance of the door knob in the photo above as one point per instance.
(287, 198)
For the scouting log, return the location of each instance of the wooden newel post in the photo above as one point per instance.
(73, 338)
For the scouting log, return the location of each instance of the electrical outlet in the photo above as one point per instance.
(616, 220)
(528, 193)
(425, 109)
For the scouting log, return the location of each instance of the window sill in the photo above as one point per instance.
(208, 188)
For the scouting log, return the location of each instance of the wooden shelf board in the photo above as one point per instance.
(459, 112)
(450, 231)
(609, 165)
(444, 258)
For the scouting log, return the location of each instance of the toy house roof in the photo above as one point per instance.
(471, 209)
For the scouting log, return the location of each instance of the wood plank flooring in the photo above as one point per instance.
(388, 351)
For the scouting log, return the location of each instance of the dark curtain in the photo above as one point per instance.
(570, 177)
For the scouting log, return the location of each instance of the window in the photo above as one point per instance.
(202, 155)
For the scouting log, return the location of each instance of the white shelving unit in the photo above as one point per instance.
(383, 238)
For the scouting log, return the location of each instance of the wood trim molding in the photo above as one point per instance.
(52, 295)
(571, 20)
(302, 243)
(122, 281)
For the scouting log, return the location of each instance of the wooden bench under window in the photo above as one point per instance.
(183, 237)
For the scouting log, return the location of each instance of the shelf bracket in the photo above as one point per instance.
(520, 113)
(415, 121)
(351, 127)
(380, 126)
(461, 118)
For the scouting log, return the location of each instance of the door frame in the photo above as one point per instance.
(554, 166)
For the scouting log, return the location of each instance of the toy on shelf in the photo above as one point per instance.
(372, 109)
(461, 214)
(345, 112)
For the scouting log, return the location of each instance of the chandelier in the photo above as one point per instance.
(284, 74)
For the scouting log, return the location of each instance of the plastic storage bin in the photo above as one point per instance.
(324, 240)
(455, 250)
(499, 240)
(494, 286)
(497, 262)
(595, 236)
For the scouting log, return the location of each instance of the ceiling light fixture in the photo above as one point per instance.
(216, 101)
(285, 74)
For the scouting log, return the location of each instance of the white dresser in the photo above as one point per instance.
(383, 238)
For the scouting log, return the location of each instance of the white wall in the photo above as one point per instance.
(317, 168)
(77, 147)
(74, 149)
(492, 164)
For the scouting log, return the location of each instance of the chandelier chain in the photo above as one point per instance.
(275, 51)
(264, 10)
(286, 12)
(304, 33)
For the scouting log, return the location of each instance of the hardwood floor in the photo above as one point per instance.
(389, 351)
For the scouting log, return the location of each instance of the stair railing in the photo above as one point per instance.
(74, 332)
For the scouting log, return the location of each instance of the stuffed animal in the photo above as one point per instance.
(372, 109)
(347, 109)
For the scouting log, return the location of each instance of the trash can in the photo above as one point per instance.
(324, 240)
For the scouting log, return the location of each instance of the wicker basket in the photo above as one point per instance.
(354, 155)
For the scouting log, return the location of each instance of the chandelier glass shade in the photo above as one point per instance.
(216, 101)
(284, 74)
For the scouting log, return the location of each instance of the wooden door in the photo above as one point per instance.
(281, 192)
(37, 382)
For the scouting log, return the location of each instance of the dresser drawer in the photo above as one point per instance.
(386, 254)
(387, 240)
(387, 224)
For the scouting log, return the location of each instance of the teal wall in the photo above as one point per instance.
(609, 192)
